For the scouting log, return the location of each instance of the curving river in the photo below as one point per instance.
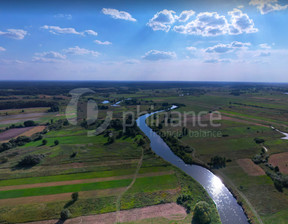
(228, 208)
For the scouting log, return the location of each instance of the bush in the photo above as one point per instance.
(259, 140)
(30, 160)
(29, 123)
(65, 214)
(56, 142)
(44, 142)
(202, 213)
(73, 155)
(75, 196)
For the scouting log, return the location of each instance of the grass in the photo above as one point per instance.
(78, 176)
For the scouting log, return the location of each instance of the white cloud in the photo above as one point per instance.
(191, 48)
(102, 42)
(213, 24)
(265, 46)
(155, 55)
(205, 24)
(64, 16)
(16, 34)
(185, 15)
(266, 6)
(91, 32)
(240, 23)
(2, 49)
(162, 20)
(59, 30)
(116, 14)
(225, 48)
(80, 51)
(50, 56)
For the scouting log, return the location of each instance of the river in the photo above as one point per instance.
(229, 210)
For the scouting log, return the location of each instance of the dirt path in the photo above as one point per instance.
(93, 180)
(136, 174)
(170, 211)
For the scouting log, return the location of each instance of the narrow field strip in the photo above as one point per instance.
(168, 211)
(143, 184)
(60, 197)
(77, 176)
(82, 181)
(63, 189)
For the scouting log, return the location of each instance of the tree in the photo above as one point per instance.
(75, 196)
(202, 213)
(29, 123)
(65, 214)
(30, 160)
(44, 142)
(56, 142)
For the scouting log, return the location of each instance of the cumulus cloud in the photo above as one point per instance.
(63, 16)
(102, 42)
(162, 20)
(91, 32)
(185, 15)
(16, 34)
(240, 23)
(155, 55)
(213, 24)
(59, 30)
(266, 6)
(265, 46)
(80, 51)
(2, 49)
(225, 48)
(116, 14)
(205, 24)
(50, 56)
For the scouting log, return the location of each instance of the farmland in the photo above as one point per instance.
(107, 175)
(103, 168)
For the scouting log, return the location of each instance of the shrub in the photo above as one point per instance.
(202, 213)
(44, 142)
(65, 214)
(259, 140)
(75, 196)
(29, 123)
(30, 160)
(56, 142)
(73, 155)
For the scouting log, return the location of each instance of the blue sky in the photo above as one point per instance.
(144, 40)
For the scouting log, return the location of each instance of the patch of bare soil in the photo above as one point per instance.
(280, 160)
(34, 130)
(242, 121)
(169, 211)
(250, 167)
(12, 133)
